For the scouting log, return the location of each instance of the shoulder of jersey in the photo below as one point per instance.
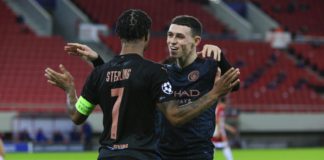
(154, 65)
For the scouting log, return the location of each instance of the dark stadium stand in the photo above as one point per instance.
(269, 77)
(9, 21)
(161, 12)
(272, 81)
(280, 103)
(313, 54)
(302, 16)
(24, 57)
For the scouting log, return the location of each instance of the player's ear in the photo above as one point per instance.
(147, 36)
(197, 40)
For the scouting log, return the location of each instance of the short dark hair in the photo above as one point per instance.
(133, 24)
(189, 21)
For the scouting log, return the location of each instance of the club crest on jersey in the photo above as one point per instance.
(193, 76)
(167, 88)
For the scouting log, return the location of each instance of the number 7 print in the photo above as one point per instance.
(116, 92)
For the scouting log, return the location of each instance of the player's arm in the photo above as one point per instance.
(225, 66)
(178, 115)
(64, 80)
(216, 53)
(85, 52)
(211, 51)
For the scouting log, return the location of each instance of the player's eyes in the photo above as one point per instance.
(180, 36)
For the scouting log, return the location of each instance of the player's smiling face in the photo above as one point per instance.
(180, 41)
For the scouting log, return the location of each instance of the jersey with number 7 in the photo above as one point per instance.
(127, 89)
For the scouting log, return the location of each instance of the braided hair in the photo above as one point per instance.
(133, 24)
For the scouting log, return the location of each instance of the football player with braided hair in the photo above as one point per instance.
(129, 89)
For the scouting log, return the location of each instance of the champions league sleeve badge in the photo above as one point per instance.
(167, 88)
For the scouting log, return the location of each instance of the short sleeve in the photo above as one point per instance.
(225, 66)
(161, 87)
(97, 62)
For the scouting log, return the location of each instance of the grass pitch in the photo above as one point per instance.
(244, 154)
(275, 154)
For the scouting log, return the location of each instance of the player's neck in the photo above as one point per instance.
(132, 47)
(185, 61)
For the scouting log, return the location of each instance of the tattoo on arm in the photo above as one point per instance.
(71, 99)
(178, 115)
(194, 108)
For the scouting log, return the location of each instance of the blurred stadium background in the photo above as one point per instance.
(277, 44)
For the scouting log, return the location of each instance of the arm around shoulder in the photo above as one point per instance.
(179, 115)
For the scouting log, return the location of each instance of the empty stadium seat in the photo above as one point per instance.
(24, 57)
(302, 16)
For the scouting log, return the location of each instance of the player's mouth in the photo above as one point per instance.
(173, 48)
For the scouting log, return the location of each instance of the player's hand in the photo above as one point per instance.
(77, 49)
(225, 83)
(211, 51)
(63, 79)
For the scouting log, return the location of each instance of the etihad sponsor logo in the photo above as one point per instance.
(184, 101)
(189, 93)
(193, 76)
(114, 76)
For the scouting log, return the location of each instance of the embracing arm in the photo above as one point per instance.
(84, 52)
(65, 81)
(178, 115)
(225, 65)
(213, 51)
